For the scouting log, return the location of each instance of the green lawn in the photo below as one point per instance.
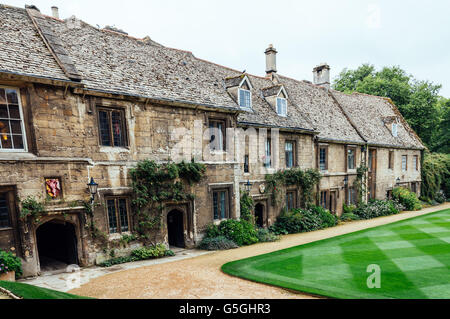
(413, 255)
(32, 292)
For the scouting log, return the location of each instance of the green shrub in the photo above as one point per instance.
(265, 236)
(440, 197)
(303, 220)
(142, 253)
(217, 243)
(346, 217)
(9, 262)
(377, 208)
(241, 232)
(407, 198)
(212, 231)
(328, 219)
(349, 209)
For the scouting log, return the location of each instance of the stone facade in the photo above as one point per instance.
(94, 102)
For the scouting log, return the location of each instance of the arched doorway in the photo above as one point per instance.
(175, 228)
(259, 215)
(57, 245)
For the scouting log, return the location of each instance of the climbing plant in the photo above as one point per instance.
(360, 183)
(155, 184)
(32, 209)
(247, 204)
(305, 179)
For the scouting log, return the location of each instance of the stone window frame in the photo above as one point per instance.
(351, 196)
(119, 226)
(347, 163)
(123, 114)
(405, 162)
(391, 160)
(324, 147)
(416, 163)
(294, 153)
(22, 122)
(224, 132)
(228, 191)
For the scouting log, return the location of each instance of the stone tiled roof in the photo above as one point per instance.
(266, 115)
(371, 114)
(325, 115)
(113, 62)
(22, 50)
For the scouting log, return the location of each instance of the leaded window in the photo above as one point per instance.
(323, 161)
(351, 159)
(245, 99)
(220, 204)
(281, 106)
(291, 200)
(112, 127)
(404, 163)
(217, 135)
(118, 216)
(12, 130)
(289, 153)
(268, 156)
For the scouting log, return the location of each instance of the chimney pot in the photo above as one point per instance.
(271, 60)
(321, 75)
(55, 12)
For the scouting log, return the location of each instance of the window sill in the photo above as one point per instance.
(6, 229)
(112, 149)
(218, 221)
(116, 236)
(7, 155)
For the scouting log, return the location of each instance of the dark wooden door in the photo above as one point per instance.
(175, 228)
(9, 236)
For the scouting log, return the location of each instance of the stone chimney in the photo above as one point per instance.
(321, 75)
(271, 60)
(55, 12)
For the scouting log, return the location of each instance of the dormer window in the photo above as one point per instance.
(245, 98)
(394, 129)
(281, 106)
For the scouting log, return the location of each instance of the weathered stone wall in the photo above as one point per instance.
(387, 178)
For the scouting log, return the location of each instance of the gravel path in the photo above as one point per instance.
(201, 277)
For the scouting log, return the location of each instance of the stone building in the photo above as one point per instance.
(78, 102)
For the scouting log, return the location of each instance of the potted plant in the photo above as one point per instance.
(10, 266)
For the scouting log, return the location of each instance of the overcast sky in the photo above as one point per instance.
(412, 34)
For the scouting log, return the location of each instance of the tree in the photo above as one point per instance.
(442, 135)
(416, 100)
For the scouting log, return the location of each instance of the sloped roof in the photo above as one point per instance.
(22, 50)
(370, 113)
(116, 63)
(325, 115)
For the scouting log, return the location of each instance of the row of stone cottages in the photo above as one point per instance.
(78, 102)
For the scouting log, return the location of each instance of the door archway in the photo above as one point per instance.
(259, 215)
(175, 228)
(57, 245)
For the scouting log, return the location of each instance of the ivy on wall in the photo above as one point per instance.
(360, 183)
(305, 179)
(155, 184)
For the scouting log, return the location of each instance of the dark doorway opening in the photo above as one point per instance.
(259, 215)
(175, 228)
(57, 245)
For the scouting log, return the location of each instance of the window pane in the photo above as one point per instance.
(322, 160)
(117, 129)
(223, 205)
(216, 205)
(18, 142)
(268, 160)
(104, 128)
(6, 141)
(289, 147)
(4, 127)
(246, 164)
(351, 159)
(244, 98)
(16, 127)
(14, 111)
(11, 96)
(3, 111)
(4, 212)
(112, 218)
(123, 213)
(2, 96)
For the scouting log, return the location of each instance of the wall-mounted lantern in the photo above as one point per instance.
(93, 188)
(248, 186)
(398, 180)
